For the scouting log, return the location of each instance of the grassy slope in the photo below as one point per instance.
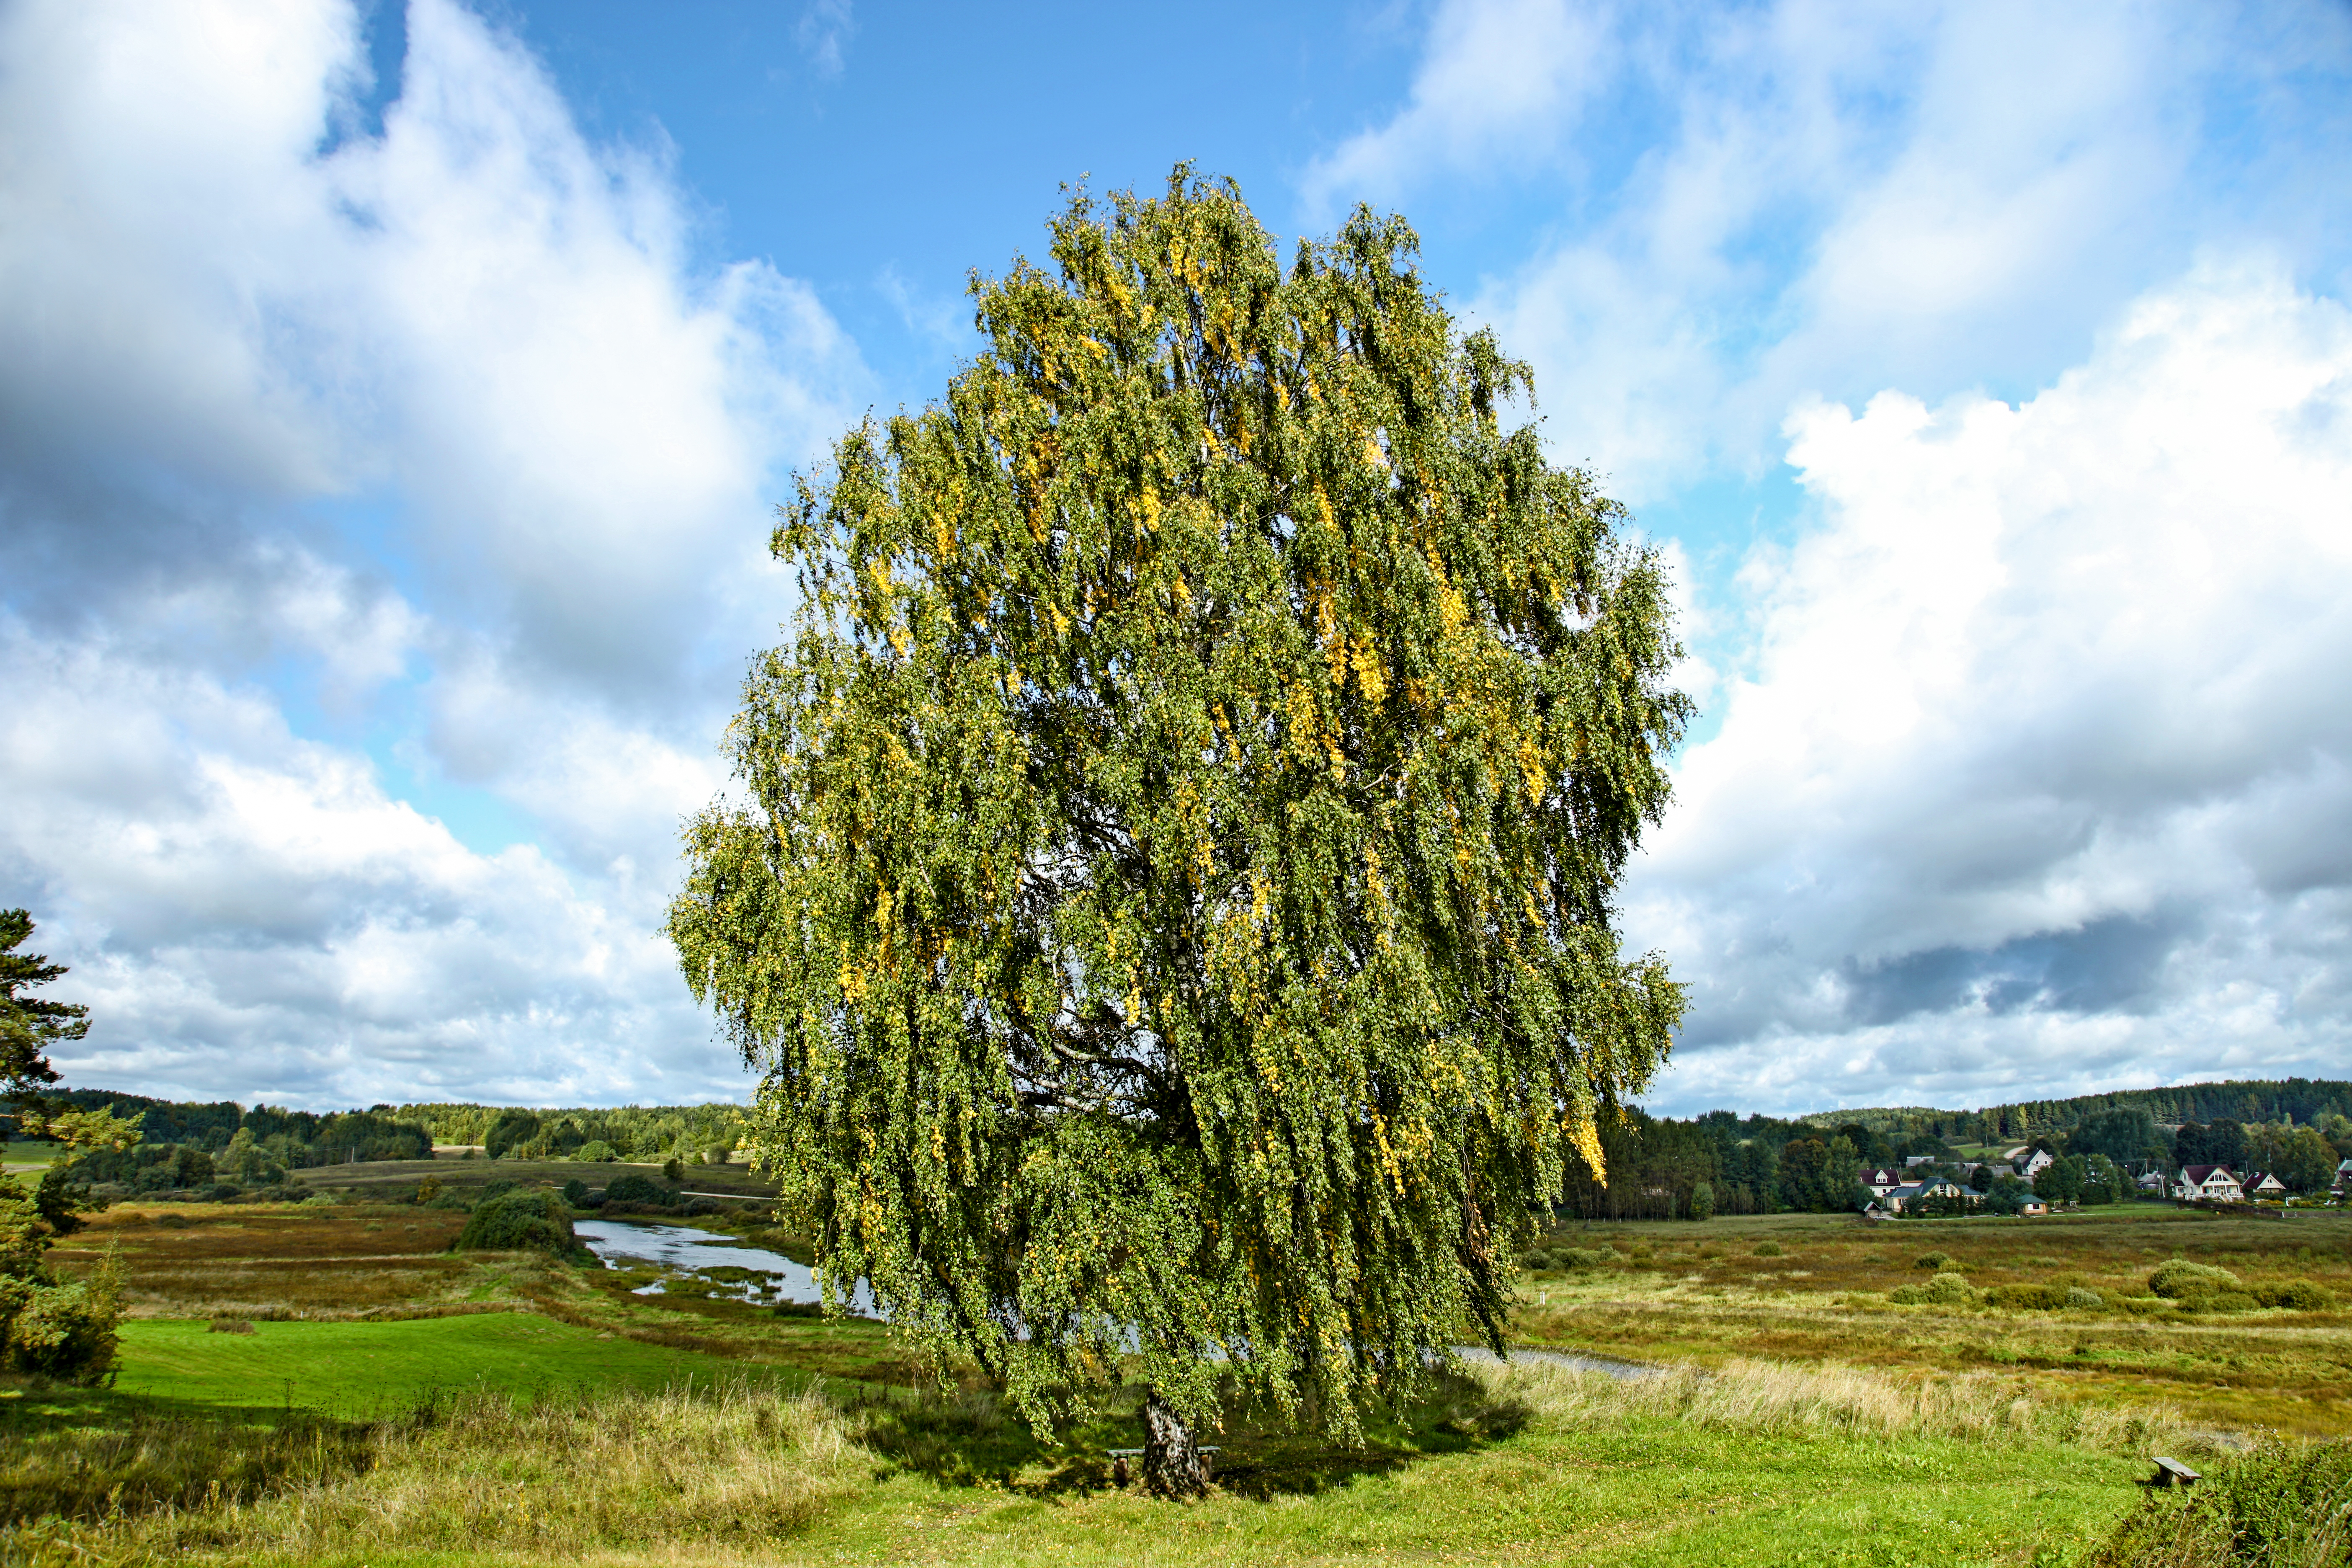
(1635, 1487)
(1478, 1477)
(366, 1368)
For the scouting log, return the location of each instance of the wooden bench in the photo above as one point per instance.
(1119, 1457)
(2173, 1473)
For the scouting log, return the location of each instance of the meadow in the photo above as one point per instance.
(397, 1403)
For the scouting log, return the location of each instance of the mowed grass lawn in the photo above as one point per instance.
(362, 1369)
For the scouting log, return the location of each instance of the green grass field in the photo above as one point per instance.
(365, 1368)
(1814, 1420)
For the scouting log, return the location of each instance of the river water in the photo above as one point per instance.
(727, 1265)
(756, 1275)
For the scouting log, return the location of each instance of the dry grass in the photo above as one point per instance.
(1704, 1296)
(1781, 1398)
(623, 1470)
(186, 1260)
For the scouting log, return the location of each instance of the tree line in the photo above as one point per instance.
(1660, 1168)
(2245, 1102)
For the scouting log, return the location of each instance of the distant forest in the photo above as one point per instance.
(1657, 1167)
(1761, 1164)
(187, 1145)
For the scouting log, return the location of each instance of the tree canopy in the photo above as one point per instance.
(30, 1024)
(1169, 899)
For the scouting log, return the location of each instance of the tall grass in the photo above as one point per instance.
(1780, 1397)
(732, 1471)
(740, 1465)
(2282, 1506)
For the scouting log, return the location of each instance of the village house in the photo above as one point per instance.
(2152, 1183)
(2262, 1184)
(1901, 1199)
(1880, 1181)
(2343, 1183)
(2214, 1184)
(2033, 1164)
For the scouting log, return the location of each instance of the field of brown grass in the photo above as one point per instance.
(1702, 1293)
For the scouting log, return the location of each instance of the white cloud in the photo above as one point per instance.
(2042, 775)
(1749, 204)
(441, 441)
(250, 916)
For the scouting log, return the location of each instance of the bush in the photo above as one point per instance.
(1943, 1290)
(1766, 1249)
(2023, 1297)
(2223, 1301)
(632, 1187)
(1933, 1260)
(2180, 1278)
(1585, 1258)
(597, 1152)
(2284, 1503)
(2296, 1294)
(576, 1193)
(522, 1222)
(1702, 1201)
(2080, 1299)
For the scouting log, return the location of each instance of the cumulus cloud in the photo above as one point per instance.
(1749, 204)
(320, 446)
(2039, 778)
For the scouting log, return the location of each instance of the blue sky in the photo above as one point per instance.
(391, 397)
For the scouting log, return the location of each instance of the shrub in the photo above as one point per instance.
(1766, 1249)
(2081, 1300)
(596, 1151)
(2284, 1503)
(1943, 1290)
(521, 1222)
(2023, 1298)
(632, 1187)
(1933, 1260)
(1702, 1201)
(2297, 1295)
(2224, 1302)
(1584, 1257)
(673, 1171)
(229, 1326)
(2178, 1278)
(576, 1193)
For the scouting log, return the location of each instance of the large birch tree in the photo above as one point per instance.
(1170, 898)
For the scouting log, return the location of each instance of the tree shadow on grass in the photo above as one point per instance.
(968, 1437)
(83, 1453)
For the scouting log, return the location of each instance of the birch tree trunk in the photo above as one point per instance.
(1171, 1458)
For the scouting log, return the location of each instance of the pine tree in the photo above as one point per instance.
(1172, 911)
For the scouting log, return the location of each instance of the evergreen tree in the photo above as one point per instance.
(30, 1025)
(1173, 917)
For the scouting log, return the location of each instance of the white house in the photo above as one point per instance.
(1880, 1181)
(2212, 1182)
(2032, 1165)
(2262, 1184)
